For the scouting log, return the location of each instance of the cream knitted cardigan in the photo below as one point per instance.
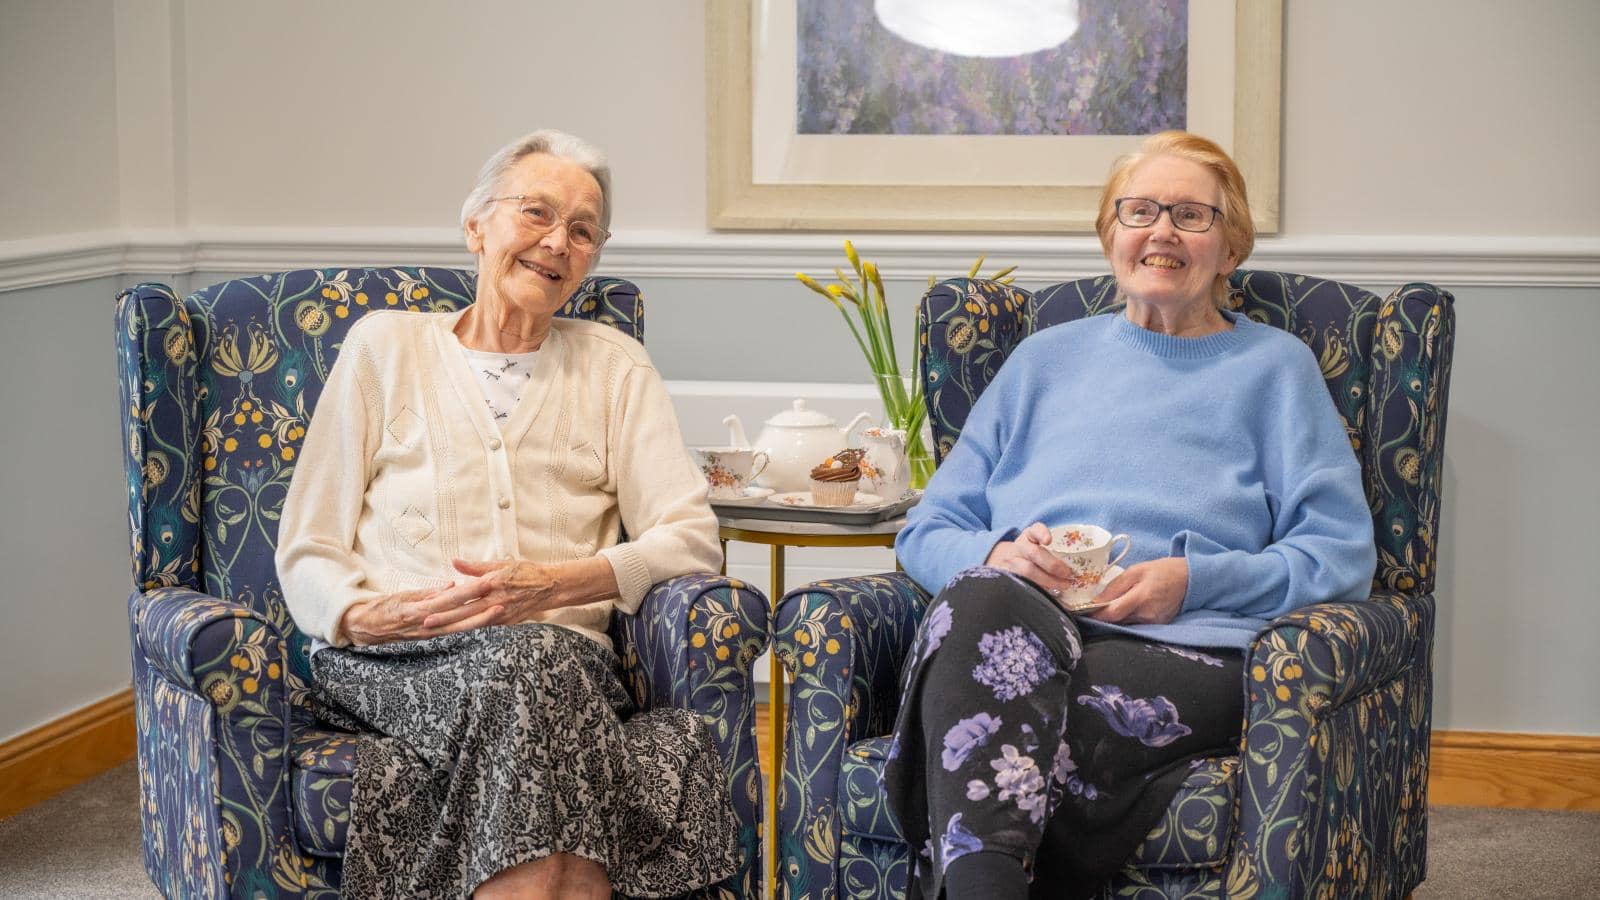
(404, 469)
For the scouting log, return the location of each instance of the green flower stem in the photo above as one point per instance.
(878, 360)
(904, 409)
(882, 307)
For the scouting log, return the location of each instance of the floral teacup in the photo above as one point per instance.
(1086, 549)
(728, 470)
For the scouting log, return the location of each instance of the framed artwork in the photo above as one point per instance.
(822, 117)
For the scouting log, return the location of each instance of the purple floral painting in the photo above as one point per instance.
(1124, 72)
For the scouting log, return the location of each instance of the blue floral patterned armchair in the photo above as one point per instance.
(1327, 795)
(242, 792)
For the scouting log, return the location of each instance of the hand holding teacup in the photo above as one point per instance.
(1026, 555)
(1147, 592)
(1150, 592)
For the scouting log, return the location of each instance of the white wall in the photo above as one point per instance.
(58, 109)
(350, 116)
(369, 113)
(1437, 124)
(1448, 117)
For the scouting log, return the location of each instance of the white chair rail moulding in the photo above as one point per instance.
(1454, 262)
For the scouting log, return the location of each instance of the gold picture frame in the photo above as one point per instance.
(736, 200)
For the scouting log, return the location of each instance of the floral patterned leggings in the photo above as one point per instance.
(983, 758)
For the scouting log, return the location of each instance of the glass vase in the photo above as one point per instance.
(903, 411)
(920, 456)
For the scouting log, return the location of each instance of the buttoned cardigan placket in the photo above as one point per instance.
(499, 445)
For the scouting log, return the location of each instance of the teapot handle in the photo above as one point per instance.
(849, 429)
(736, 434)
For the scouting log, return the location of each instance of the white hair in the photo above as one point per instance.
(559, 144)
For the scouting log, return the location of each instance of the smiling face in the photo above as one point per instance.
(1161, 265)
(518, 265)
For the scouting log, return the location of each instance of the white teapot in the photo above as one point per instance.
(796, 440)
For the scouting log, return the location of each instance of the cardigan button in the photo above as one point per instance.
(505, 502)
(494, 443)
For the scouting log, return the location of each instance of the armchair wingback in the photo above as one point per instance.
(242, 793)
(1327, 795)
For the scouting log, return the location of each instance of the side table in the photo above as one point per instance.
(780, 535)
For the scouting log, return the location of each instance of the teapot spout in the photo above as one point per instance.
(736, 435)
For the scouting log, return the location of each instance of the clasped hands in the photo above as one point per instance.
(492, 593)
(1146, 593)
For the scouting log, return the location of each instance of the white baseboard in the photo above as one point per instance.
(1450, 261)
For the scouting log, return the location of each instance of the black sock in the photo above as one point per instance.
(985, 874)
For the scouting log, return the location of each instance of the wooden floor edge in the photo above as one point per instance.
(41, 763)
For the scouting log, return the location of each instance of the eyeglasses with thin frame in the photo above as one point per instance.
(539, 216)
(1141, 212)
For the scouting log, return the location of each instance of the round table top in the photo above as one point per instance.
(777, 527)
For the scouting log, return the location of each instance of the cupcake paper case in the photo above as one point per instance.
(834, 482)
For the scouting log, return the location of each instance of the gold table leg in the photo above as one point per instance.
(776, 696)
(777, 686)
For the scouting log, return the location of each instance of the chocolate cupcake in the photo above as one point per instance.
(834, 482)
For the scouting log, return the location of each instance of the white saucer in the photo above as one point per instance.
(752, 495)
(1083, 601)
(805, 500)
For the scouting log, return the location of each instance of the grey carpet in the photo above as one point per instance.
(84, 843)
(81, 843)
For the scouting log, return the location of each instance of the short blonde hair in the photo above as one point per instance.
(1238, 229)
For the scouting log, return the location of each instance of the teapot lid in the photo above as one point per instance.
(798, 416)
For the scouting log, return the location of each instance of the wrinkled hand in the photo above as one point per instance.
(406, 616)
(518, 589)
(1029, 556)
(1147, 593)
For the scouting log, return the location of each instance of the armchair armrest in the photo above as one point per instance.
(844, 641)
(212, 684)
(693, 645)
(194, 639)
(1335, 743)
(1329, 653)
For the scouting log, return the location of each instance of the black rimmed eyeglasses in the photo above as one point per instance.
(1140, 212)
(537, 215)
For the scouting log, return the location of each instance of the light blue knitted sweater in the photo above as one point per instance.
(1225, 450)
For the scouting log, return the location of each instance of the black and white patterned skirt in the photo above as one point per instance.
(504, 745)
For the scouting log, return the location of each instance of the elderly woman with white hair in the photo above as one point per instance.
(450, 542)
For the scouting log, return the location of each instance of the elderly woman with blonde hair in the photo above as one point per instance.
(451, 542)
(1037, 742)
